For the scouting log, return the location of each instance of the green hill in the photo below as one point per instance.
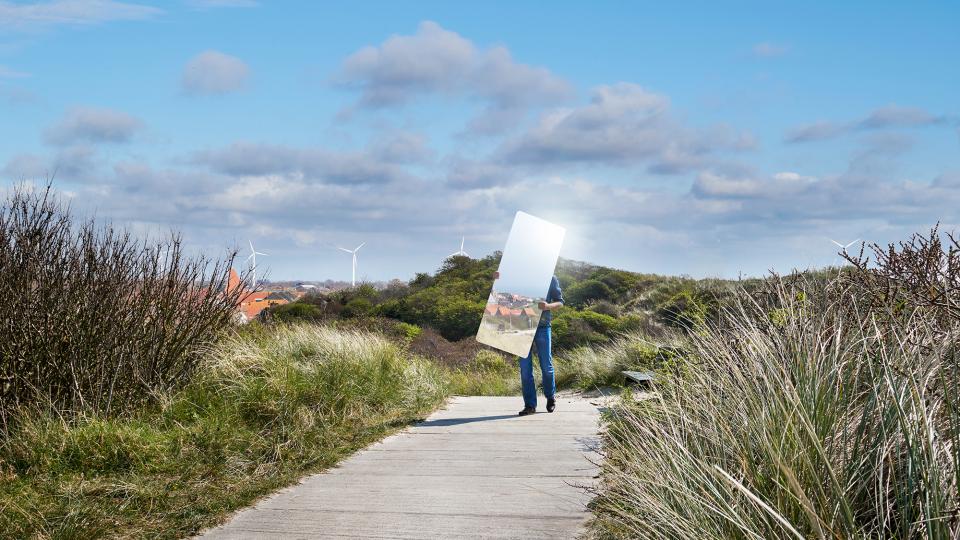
(601, 302)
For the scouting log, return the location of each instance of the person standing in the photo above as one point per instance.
(542, 340)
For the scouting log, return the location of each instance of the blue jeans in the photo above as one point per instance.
(542, 341)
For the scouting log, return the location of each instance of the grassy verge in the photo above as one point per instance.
(583, 368)
(265, 409)
(809, 420)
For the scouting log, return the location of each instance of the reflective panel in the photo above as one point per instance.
(526, 268)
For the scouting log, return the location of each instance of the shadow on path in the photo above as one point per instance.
(457, 421)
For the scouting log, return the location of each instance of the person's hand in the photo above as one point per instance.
(542, 306)
(496, 275)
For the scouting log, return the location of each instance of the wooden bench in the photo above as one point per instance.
(639, 377)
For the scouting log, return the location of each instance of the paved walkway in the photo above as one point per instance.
(472, 470)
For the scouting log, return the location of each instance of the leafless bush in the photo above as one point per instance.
(921, 273)
(93, 318)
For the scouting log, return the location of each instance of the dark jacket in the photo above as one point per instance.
(553, 295)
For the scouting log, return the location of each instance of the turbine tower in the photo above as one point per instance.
(353, 279)
(461, 252)
(253, 265)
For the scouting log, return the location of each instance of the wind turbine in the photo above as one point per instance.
(353, 280)
(253, 266)
(461, 252)
(841, 246)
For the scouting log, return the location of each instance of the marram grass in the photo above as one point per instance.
(818, 422)
(263, 410)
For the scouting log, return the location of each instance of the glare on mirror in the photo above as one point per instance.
(529, 258)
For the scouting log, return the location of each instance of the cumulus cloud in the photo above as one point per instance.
(436, 61)
(887, 117)
(93, 125)
(70, 12)
(214, 73)
(623, 124)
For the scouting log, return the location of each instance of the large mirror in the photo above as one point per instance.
(529, 259)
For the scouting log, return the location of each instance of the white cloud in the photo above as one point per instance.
(436, 61)
(70, 12)
(93, 125)
(214, 73)
(623, 124)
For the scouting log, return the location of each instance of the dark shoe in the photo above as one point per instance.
(527, 410)
(551, 404)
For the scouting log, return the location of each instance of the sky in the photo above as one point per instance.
(676, 138)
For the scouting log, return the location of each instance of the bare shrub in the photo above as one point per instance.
(93, 318)
(921, 273)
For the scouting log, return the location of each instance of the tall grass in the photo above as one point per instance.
(803, 417)
(264, 408)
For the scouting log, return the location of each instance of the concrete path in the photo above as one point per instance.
(472, 470)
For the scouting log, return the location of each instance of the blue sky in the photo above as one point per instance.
(682, 138)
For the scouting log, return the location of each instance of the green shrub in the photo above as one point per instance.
(458, 318)
(604, 307)
(579, 294)
(357, 307)
(296, 311)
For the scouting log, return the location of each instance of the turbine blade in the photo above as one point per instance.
(251, 244)
(344, 250)
(360, 246)
(835, 242)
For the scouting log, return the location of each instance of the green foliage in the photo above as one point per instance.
(296, 311)
(458, 318)
(572, 328)
(357, 307)
(601, 302)
(687, 309)
(410, 331)
(605, 307)
(579, 294)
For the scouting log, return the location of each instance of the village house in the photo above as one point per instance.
(253, 303)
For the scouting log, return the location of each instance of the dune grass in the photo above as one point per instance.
(810, 420)
(264, 409)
